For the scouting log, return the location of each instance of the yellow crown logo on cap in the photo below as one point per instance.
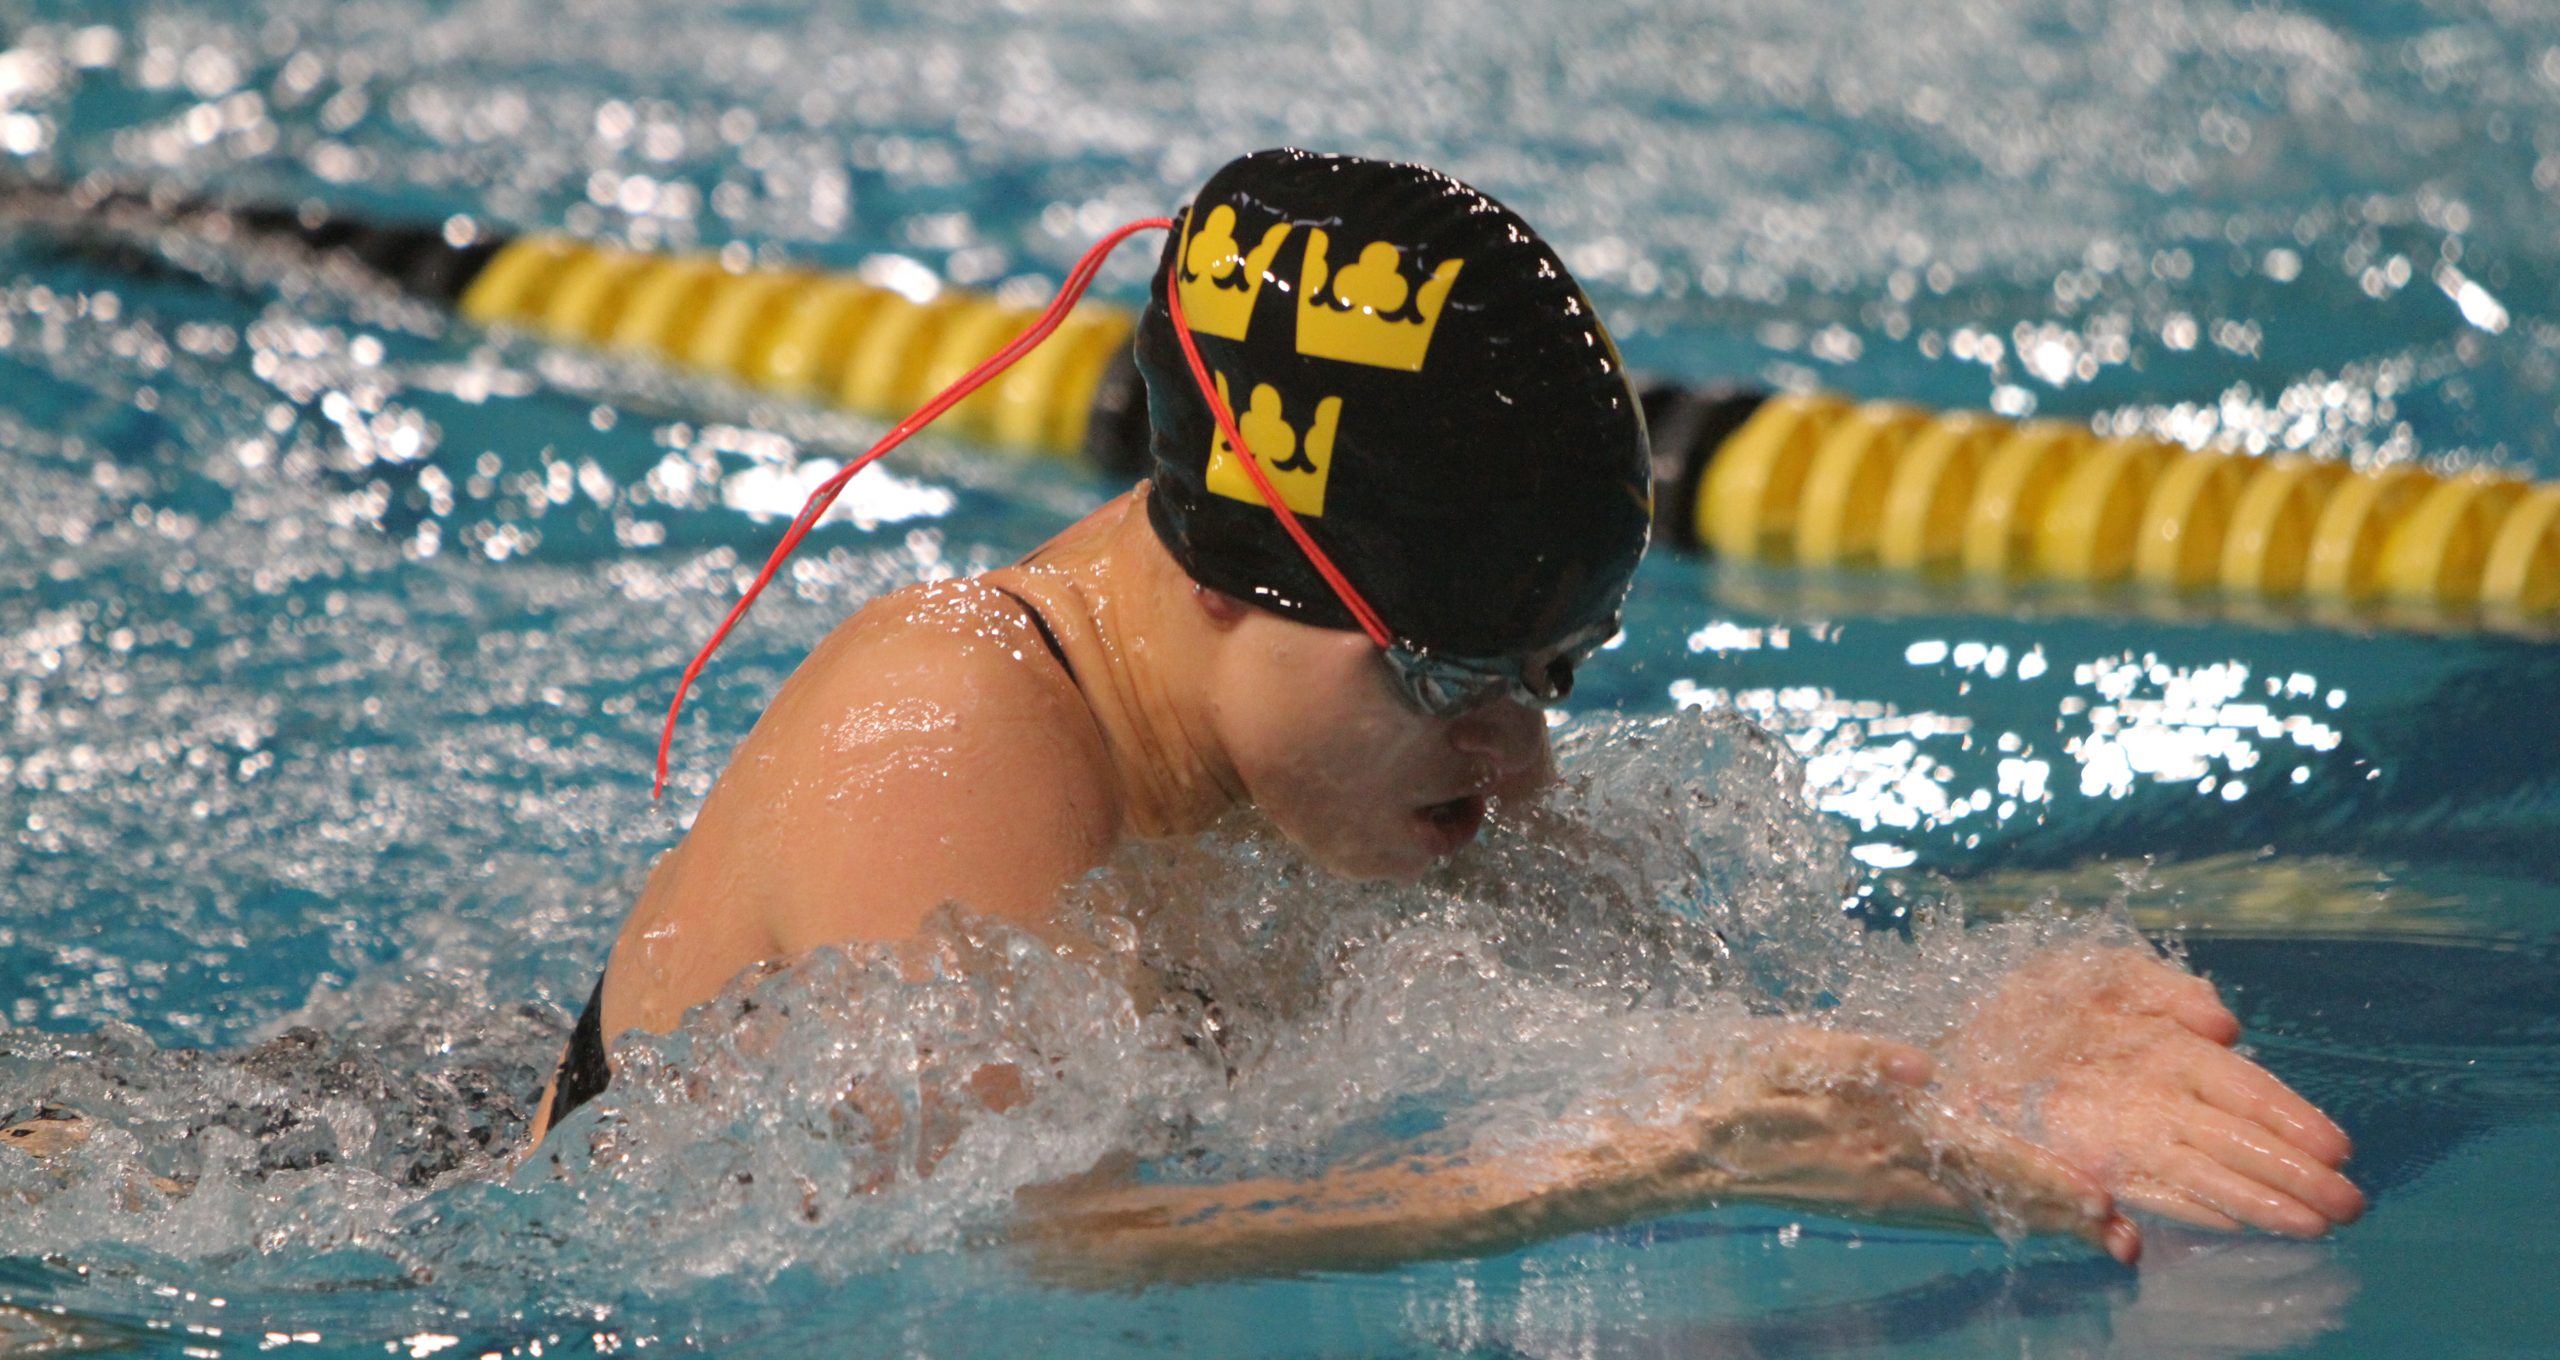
(1363, 317)
(1297, 471)
(1219, 280)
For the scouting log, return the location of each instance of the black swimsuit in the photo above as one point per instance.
(583, 1071)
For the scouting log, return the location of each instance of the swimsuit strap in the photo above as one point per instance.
(1048, 635)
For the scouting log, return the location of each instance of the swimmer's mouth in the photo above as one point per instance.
(1453, 823)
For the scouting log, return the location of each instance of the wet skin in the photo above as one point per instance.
(931, 750)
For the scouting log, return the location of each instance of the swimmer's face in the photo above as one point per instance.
(1340, 762)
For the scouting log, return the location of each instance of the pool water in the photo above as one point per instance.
(333, 636)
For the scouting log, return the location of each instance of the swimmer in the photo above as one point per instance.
(1413, 374)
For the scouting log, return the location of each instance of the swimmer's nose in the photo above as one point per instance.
(1509, 738)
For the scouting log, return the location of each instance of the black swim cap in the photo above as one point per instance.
(1425, 386)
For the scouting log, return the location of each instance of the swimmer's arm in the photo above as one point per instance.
(1824, 1121)
(1106, 1231)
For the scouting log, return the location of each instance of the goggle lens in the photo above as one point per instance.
(1448, 687)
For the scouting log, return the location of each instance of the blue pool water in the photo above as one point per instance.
(332, 637)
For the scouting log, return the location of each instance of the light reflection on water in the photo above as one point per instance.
(2197, 724)
(2122, 721)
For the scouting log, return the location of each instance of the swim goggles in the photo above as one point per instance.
(1441, 686)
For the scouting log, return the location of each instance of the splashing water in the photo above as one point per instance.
(859, 1105)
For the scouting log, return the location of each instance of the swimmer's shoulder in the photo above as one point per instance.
(962, 649)
(932, 749)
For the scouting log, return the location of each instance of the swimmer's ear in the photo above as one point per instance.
(1224, 610)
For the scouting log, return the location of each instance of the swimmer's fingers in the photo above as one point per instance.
(2011, 1180)
(2154, 986)
(2249, 1150)
(2169, 1202)
(2254, 1203)
(2239, 1087)
(2194, 1003)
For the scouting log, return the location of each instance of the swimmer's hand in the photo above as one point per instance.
(2122, 1065)
(1835, 1122)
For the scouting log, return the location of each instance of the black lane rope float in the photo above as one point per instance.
(1802, 479)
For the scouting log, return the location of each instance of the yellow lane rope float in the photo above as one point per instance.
(1809, 479)
(1812, 480)
(832, 338)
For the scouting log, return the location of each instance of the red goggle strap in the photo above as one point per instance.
(1078, 279)
(1351, 599)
